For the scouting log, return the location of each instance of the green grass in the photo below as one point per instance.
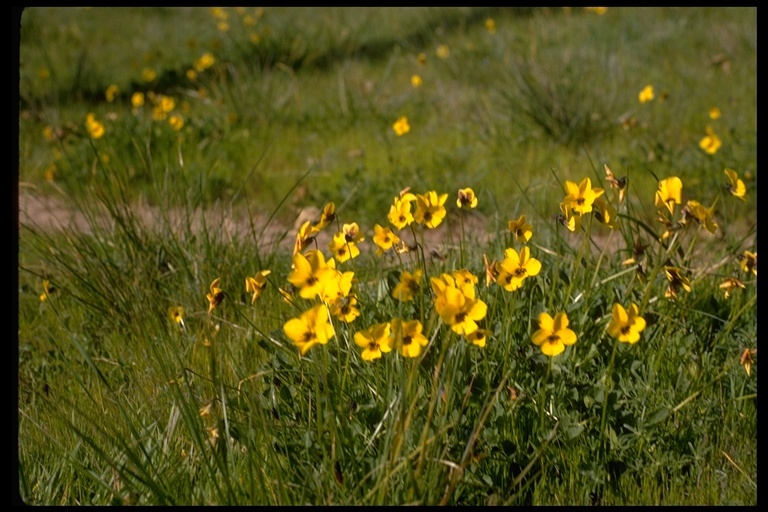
(119, 404)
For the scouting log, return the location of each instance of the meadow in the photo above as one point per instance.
(387, 256)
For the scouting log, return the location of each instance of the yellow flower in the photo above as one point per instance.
(416, 81)
(568, 219)
(304, 236)
(553, 334)
(255, 285)
(401, 126)
(459, 311)
(676, 281)
(344, 309)
(736, 187)
(442, 51)
(191, 75)
(748, 262)
(670, 193)
(478, 337)
(714, 113)
(166, 103)
(137, 99)
(421, 58)
(580, 197)
(400, 212)
(429, 209)
(328, 215)
(512, 271)
(729, 284)
(310, 328)
(384, 239)
(467, 198)
(95, 128)
(408, 286)
(746, 359)
(605, 213)
(215, 296)
(646, 94)
(111, 93)
(205, 61)
(48, 289)
(490, 25)
(597, 10)
(626, 325)
(176, 122)
(701, 214)
(619, 184)
(177, 314)
(407, 337)
(711, 142)
(342, 249)
(309, 273)
(521, 229)
(148, 74)
(374, 341)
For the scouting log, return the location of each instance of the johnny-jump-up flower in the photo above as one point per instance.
(553, 334)
(626, 324)
(401, 126)
(429, 209)
(407, 337)
(384, 239)
(711, 142)
(467, 198)
(521, 229)
(215, 296)
(255, 285)
(408, 286)
(400, 212)
(95, 128)
(748, 262)
(736, 186)
(669, 193)
(580, 197)
(514, 268)
(374, 341)
(646, 94)
(310, 328)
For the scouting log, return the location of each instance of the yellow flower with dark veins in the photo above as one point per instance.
(701, 214)
(408, 286)
(95, 128)
(310, 328)
(670, 193)
(459, 311)
(748, 262)
(176, 122)
(568, 218)
(736, 186)
(619, 184)
(255, 285)
(729, 284)
(48, 290)
(605, 213)
(310, 273)
(401, 126)
(343, 249)
(137, 99)
(304, 236)
(466, 198)
(400, 212)
(177, 314)
(215, 296)
(407, 337)
(521, 229)
(646, 94)
(429, 209)
(711, 142)
(626, 324)
(747, 358)
(374, 341)
(478, 337)
(514, 268)
(205, 61)
(676, 281)
(384, 239)
(553, 334)
(580, 197)
(328, 215)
